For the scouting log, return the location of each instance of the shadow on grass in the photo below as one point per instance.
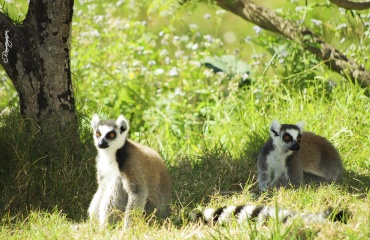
(195, 179)
(30, 180)
(356, 183)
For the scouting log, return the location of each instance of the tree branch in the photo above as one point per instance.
(351, 5)
(268, 20)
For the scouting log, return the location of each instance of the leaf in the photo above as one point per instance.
(228, 64)
(163, 7)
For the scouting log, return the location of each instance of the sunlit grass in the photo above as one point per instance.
(207, 128)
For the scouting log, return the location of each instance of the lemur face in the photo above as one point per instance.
(109, 134)
(287, 136)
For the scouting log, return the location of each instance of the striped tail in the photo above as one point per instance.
(259, 214)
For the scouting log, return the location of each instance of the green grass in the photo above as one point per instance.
(206, 128)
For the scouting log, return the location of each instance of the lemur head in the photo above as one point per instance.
(287, 136)
(109, 134)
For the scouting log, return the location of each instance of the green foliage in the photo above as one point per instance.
(12, 12)
(208, 130)
(164, 7)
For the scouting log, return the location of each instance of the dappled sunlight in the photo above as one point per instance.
(201, 87)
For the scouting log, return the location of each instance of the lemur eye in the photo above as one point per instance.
(287, 137)
(97, 134)
(112, 135)
(299, 138)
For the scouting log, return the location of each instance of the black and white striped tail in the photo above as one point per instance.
(261, 213)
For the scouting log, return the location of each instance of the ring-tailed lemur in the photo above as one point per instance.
(130, 176)
(259, 214)
(291, 154)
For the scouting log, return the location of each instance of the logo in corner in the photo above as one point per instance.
(8, 44)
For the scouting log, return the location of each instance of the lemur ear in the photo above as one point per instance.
(95, 121)
(300, 125)
(275, 128)
(122, 123)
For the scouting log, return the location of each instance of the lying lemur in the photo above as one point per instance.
(289, 154)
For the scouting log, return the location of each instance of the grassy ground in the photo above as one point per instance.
(207, 128)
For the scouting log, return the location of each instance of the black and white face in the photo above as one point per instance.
(109, 134)
(291, 138)
(287, 135)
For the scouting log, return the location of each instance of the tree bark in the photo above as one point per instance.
(36, 57)
(351, 5)
(267, 19)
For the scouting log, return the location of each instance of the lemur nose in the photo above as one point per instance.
(103, 144)
(295, 147)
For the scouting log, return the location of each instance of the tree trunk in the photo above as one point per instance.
(36, 57)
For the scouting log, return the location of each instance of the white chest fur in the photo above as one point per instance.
(276, 161)
(107, 165)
